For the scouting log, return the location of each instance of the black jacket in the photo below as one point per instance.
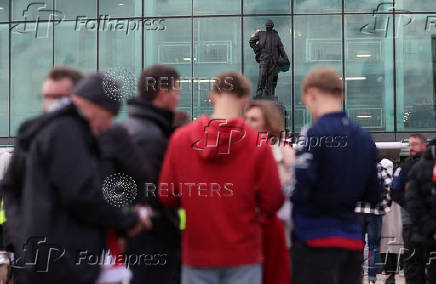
(150, 128)
(398, 193)
(420, 199)
(62, 210)
(11, 188)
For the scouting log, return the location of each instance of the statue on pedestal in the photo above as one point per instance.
(272, 58)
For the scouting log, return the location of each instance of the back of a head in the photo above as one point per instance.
(155, 78)
(65, 72)
(95, 88)
(326, 79)
(232, 83)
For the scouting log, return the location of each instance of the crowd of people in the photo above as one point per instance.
(160, 199)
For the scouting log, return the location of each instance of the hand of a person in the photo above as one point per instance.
(434, 236)
(145, 213)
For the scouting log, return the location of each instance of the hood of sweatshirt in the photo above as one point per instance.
(219, 139)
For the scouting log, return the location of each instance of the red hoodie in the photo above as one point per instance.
(216, 171)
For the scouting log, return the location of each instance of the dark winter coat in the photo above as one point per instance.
(62, 210)
(420, 199)
(150, 128)
(401, 177)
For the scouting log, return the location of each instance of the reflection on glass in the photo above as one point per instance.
(25, 10)
(121, 8)
(368, 6)
(75, 48)
(318, 6)
(318, 42)
(172, 47)
(265, 7)
(120, 56)
(369, 75)
(72, 10)
(417, 6)
(213, 7)
(156, 8)
(31, 59)
(4, 81)
(4, 10)
(214, 52)
(416, 102)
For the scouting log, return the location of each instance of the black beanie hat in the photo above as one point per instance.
(100, 89)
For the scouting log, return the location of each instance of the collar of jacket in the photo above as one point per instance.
(429, 153)
(333, 114)
(140, 108)
(30, 128)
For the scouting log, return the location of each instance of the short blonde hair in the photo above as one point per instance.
(272, 115)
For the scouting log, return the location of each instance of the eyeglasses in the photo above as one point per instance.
(415, 144)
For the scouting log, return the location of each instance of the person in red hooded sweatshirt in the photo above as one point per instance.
(215, 170)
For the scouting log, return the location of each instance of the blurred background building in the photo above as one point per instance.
(385, 50)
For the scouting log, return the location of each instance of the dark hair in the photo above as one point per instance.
(154, 78)
(62, 72)
(232, 83)
(326, 79)
(419, 136)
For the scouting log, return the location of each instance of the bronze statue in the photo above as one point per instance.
(271, 56)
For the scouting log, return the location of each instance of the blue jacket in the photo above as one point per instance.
(336, 166)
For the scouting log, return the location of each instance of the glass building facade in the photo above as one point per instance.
(385, 51)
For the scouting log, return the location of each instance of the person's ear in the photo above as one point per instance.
(212, 98)
(245, 100)
(311, 95)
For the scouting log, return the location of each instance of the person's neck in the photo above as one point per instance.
(226, 107)
(328, 107)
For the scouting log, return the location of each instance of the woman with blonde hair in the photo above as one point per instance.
(267, 119)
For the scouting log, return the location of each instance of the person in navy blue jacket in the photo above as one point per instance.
(336, 167)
